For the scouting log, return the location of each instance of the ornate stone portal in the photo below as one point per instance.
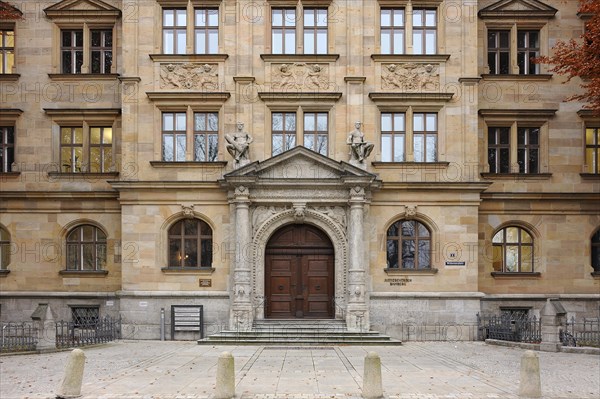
(290, 189)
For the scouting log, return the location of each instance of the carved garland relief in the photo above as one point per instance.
(410, 77)
(189, 76)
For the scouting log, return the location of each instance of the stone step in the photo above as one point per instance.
(259, 335)
(304, 342)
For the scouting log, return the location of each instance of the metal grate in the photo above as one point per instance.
(85, 316)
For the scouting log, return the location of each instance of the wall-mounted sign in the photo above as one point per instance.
(205, 282)
(398, 281)
(455, 263)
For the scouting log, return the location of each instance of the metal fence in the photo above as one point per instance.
(583, 333)
(509, 327)
(102, 330)
(18, 337)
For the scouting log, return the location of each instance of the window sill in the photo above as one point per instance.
(9, 174)
(9, 77)
(515, 76)
(203, 271)
(300, 57)
(82, 175)
(394, 271)
(517, 176)
(595, 275)
(419, 165)
(590, 176)
(411, 57)
(187, 164)
(524, 275)
(83, 273)
(188, 57)
(83, 76)
(4, 272)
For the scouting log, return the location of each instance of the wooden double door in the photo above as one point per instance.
(299, 273)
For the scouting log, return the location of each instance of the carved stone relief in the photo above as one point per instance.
(263, 213)
(410, 77)
(337, 213)
(300, 76)
(189, 76)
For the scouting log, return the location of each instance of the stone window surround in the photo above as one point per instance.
(589, 121)
(9, 117)
(12, 75)
(6, 245)
(538, 262)
(596, 270)
(111, 249)
(534, 251)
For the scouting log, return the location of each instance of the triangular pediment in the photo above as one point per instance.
(518, 9)
(81, 8)
(299, 164)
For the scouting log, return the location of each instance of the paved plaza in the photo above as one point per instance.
(154, 369)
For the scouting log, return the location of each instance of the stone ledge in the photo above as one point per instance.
(83, 273)
(517, 176)
(587, 350)
(187, 164)
(393, 271)
(188, 57)
(9, 174)
(299, 57)
(511, 344)
(82, 175)
(82, 76)
(9, 77)
(596, 275)
(424, 165)
(590, 176)
(516, 76)
(4, 272)
(521, 275)
(207, 271)
(410, 57)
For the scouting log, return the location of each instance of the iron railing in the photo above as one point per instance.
(585, 333)
(509, 327)
(18, 337)
(71, 334)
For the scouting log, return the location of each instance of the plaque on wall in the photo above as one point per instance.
(205, 282)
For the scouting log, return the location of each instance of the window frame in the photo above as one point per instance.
(5, 49)
(400, 238)
(425, 28)
(80, 242)
(5, 248)
(527, 49)
(316, 133)
(207, 28)
(315, 29)
(77, 320)
(393, 134)
(284, 133)
(498, 50)
(102, 49)
(182, 237)
(392, 28)
(497, 147)
(72, 146)
(73, 50)
(7, 148)
(527, 148)
(595, 250)
(283, 27)
(175, 28)
(207, 133)
(594, 147)
(519, 244)
(103, 147)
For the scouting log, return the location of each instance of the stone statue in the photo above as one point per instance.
(238, 145)
(359, 148)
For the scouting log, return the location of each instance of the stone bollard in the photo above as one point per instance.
(225, 377)
(372, 386)
(71, 383)
(530, 386)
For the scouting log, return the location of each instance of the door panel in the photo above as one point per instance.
(318, 283)
(281, 276)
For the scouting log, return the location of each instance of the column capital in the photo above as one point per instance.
(357, 194)
(241, 194)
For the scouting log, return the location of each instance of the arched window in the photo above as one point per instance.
(4, 248)
(512, 250)
(408, 245)
(190, 244)
(86, 248)
(596, 251)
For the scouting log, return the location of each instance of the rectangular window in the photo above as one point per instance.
(528, 47)
(71, 51)
(392, 31)
(173, 136)
(174, 31)
(7, 50)
(592, 149)
(283, 31)
(316, 131)
(499, 149)
(206, 136)
(7, 148)
(101, 154)
(101, 51)
(425, 137)
(528, 149)
(393, 137)
(85, 316)
(71, 149)
(283, 131)
(315, 31)
(206, 27)
(499, 51)
(424, 31)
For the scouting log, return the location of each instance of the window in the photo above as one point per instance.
(71, 149)
(315, 31)
(190, 244)
(7, 148)
(425, 137)
(77, 157)
(86, 249)
(174, 31)
(393, 137)
(85, 316)
(283, 31)
(4, 248)
(206, 136)
(7, 50)
(316, 131)
(596, 251)
(174, 139)
(101, 153)
(392, 31)
(512, 251)
(72, 51)
(424, 31)
(408, 245)
(528, 149)
(101, 51)
(206, 28)
(592, 150)
(528, 47)
(499, 51)
(283, 131)
(499, 149)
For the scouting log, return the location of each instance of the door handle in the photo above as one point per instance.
(317, 287)
(280, 288)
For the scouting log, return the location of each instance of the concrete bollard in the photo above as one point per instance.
(225, 377)
(71, 383)
(372, 386)
(530, 385)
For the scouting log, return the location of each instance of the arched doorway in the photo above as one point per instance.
(299, 275)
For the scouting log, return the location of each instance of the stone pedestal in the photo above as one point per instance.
(225, 387)
(43, 318)
(553, 316)
(372, 384)
(530, 384)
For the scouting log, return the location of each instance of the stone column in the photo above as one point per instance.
(241, 315)
(357, 317)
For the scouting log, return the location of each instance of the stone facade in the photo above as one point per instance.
(140, 193)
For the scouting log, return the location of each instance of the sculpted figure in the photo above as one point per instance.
(238, 145)
(359, 148)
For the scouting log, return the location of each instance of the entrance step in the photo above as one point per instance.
(302, 332)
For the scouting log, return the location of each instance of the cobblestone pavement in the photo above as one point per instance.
(182, 370)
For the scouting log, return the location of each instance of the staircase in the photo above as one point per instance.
(299, 332)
